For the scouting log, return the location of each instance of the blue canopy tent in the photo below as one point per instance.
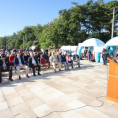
(92, 43)
(112, 44)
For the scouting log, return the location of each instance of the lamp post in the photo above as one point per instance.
(6, 44)
(112, 35)
(113, 24)
(23, 41)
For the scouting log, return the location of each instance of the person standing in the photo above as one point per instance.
(89, 55)
(85, 52)
(70, 52)
(104, 56)
(33, 62)
(4, 66)
(19, 63)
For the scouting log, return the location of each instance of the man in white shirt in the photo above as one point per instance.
(33, 62)
(54, 60)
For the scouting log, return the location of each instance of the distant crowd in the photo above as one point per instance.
(25, 59)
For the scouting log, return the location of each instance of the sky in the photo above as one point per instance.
(16, 14)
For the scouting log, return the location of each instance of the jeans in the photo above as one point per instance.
(65, 64)
(89, 56)
(104, 59)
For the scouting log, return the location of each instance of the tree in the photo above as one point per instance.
(12, 41)
(29, 44)
(35, 42)
(3, 41)
(18, 43)
(29, 34)
(110, 6)
(21, 46)
(37, 30)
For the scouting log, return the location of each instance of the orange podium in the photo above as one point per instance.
(112, 90)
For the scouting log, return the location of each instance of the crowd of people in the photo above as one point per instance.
(26, 60)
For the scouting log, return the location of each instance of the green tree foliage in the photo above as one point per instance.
(12, 40)
(29, 44)
(3, 41)
(74, 25)
(18, 43)
(21, 46)
(109, 11)
(36, 43)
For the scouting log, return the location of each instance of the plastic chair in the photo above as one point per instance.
(43, 63)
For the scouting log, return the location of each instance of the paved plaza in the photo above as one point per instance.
(37, 96)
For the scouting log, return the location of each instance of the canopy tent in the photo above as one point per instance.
(112, 42)
(112, 45)
(92, 43)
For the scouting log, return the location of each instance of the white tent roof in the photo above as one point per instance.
(93, 42)
(112, 42)
(69, 47)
